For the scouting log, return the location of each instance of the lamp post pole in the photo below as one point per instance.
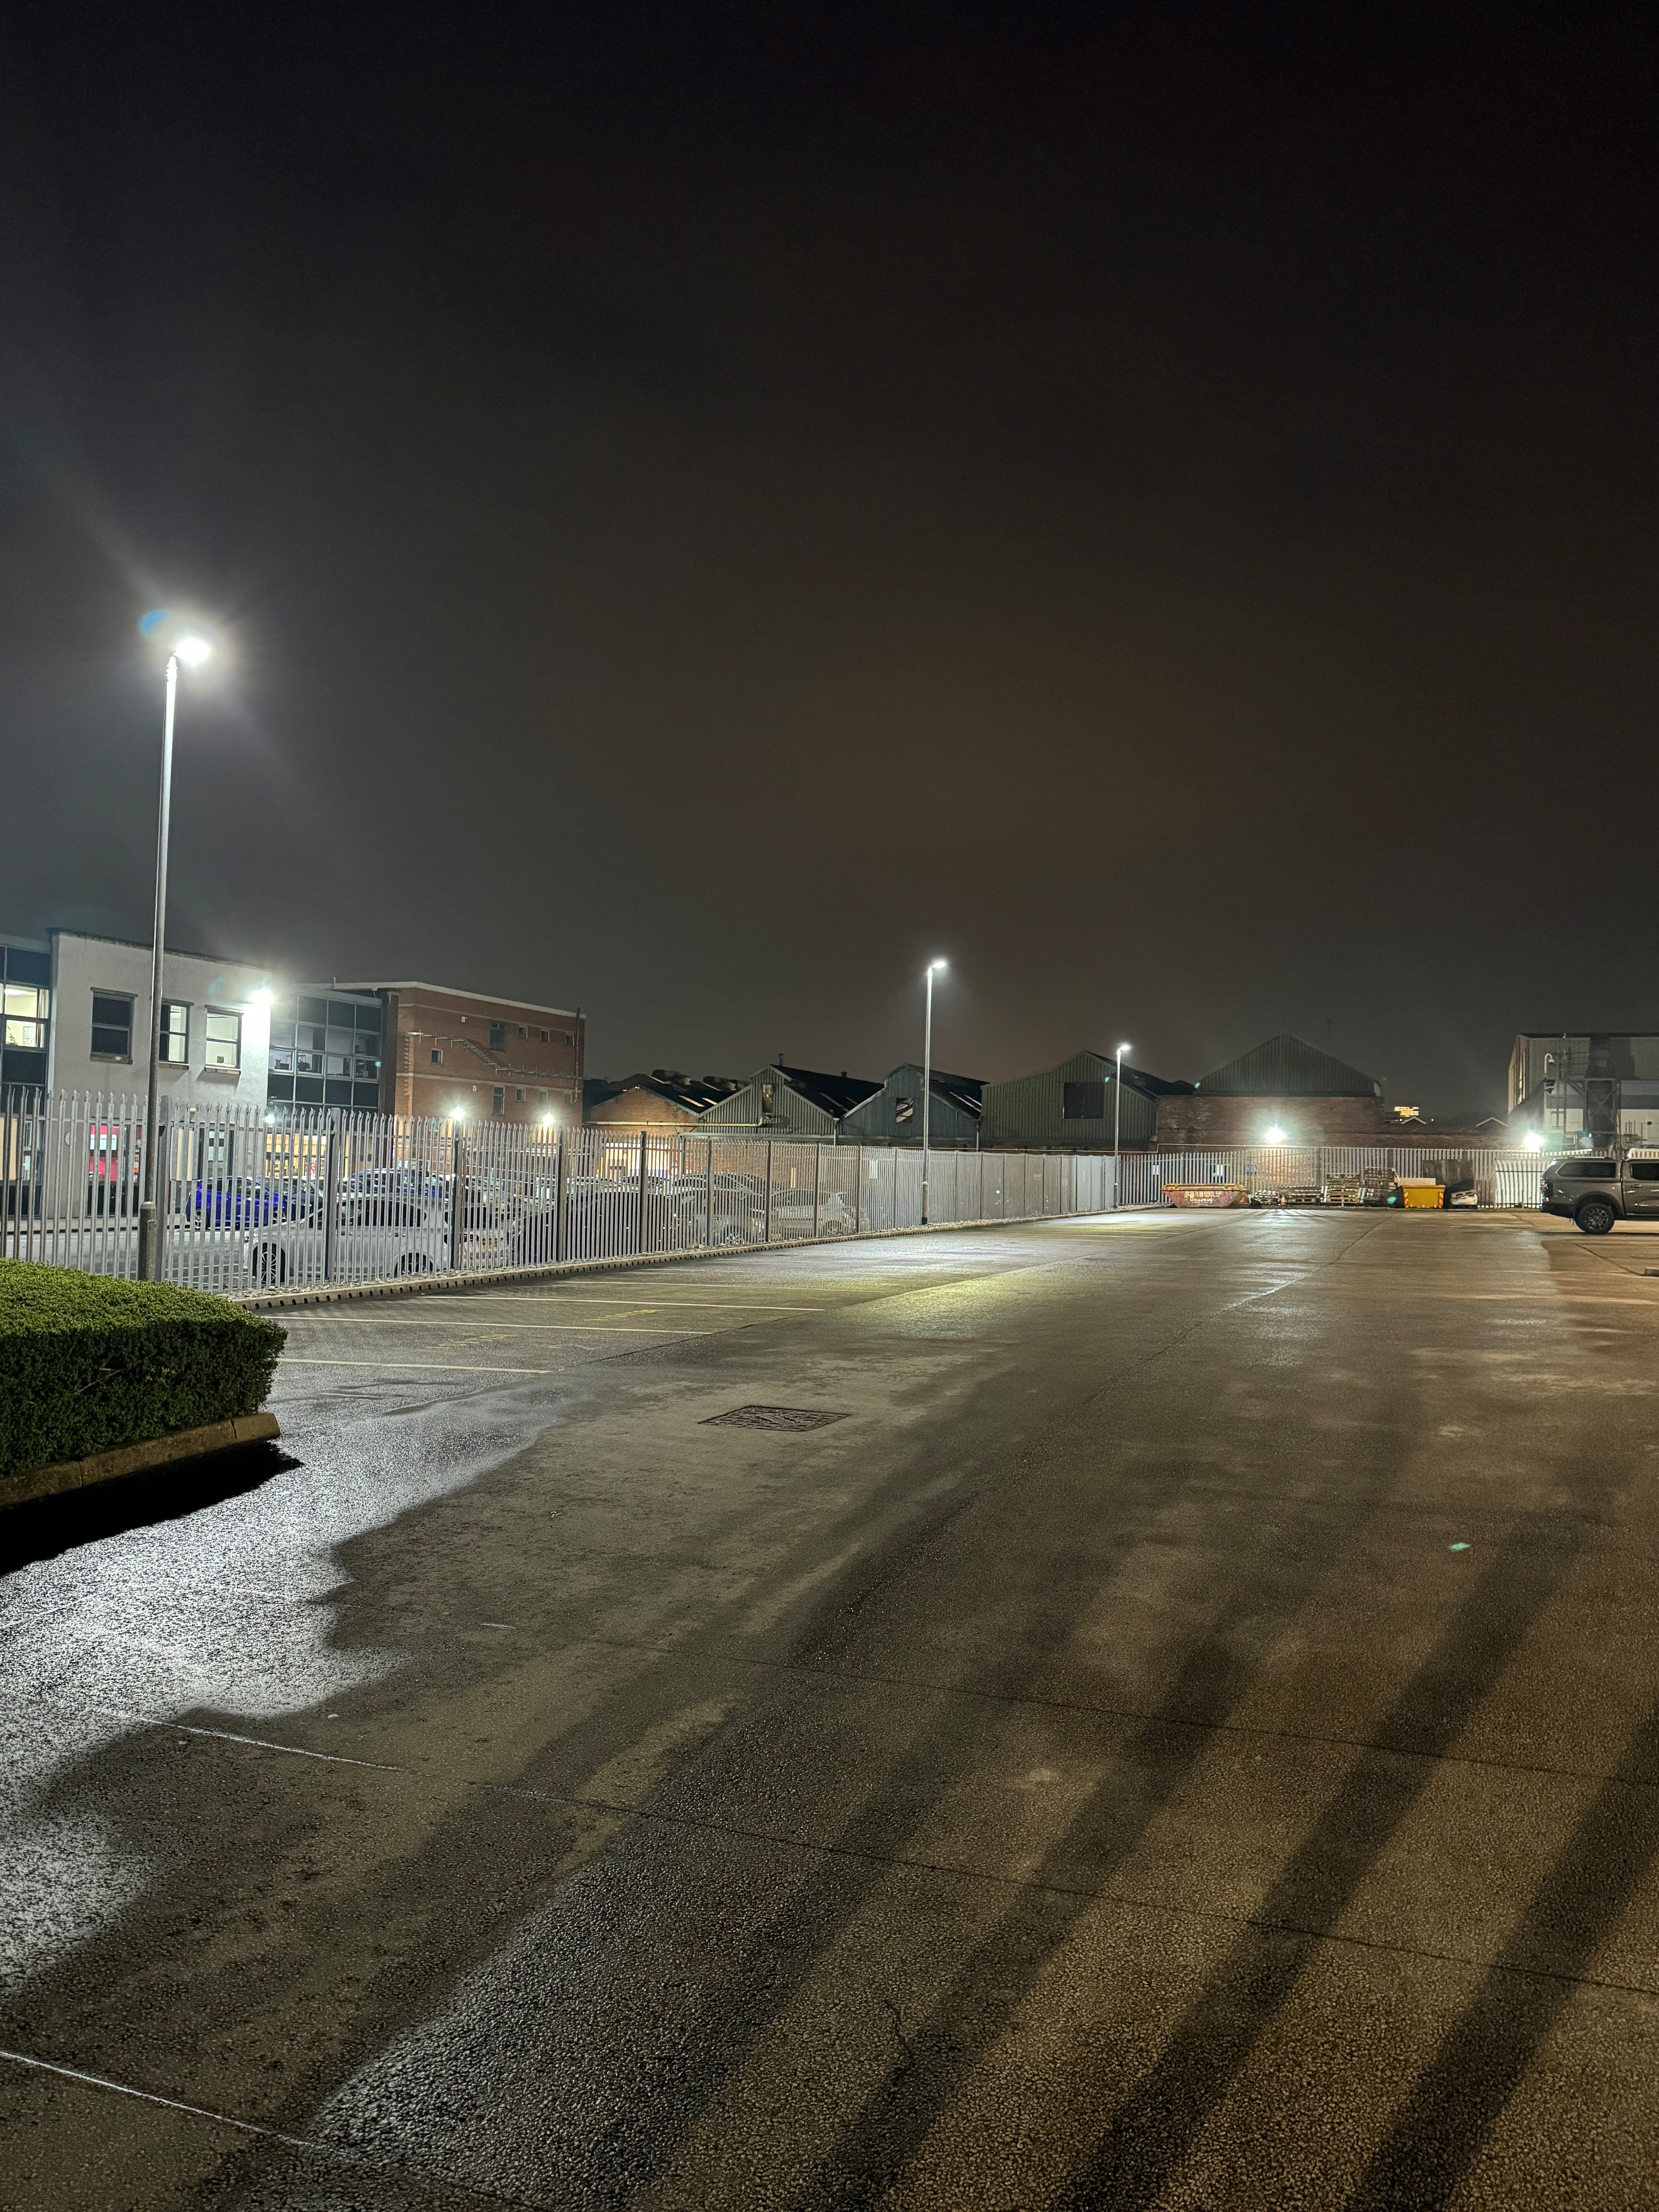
(149, 1239)
(1117, 1104)
(927, 1082)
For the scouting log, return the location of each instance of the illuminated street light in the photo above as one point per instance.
(192, 648)
(1117, 1103)
(928, 1079)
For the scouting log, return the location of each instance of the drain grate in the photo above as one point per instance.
(772, 1417)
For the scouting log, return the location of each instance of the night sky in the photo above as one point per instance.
(716, 505)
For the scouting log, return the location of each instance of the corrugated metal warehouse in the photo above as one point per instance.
(790, 1102)
(893, 1115)
(1072, 1107)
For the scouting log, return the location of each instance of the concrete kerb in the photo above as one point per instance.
(398, 1286)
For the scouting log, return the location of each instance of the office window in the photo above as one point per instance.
(281, 1060)
(519, 1097)
(364, 1067)
(223, 1047)
(175, 1033)
(523, 1031)
(437, 1060)
(1085, 1102)
(27, 1009)
(498, 1101)
(112, 1026)
(545, 1038)
(544, 1098)
(569, 1037)
(498, 1036)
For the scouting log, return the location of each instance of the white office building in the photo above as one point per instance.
(86, 1025)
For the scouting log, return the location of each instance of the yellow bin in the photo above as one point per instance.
(1420, 1190)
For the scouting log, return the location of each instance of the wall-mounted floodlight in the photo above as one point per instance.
(1274, 1136)
(1532, 1142)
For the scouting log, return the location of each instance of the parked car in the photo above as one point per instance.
(248, 1205)
(1595, 1190)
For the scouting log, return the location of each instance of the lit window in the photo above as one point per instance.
(175, 1034)
(224, 1046)
(112, 1026)
(26, 1011)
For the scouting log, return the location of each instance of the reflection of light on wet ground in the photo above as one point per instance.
(219, 1612)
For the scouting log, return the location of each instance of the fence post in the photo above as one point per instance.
(766, 1237)
(645, 1141)
(558, 1198)
(332, 1200)
(858, 1188)
(708, 1194)
(817, 1186)
(458, 1201)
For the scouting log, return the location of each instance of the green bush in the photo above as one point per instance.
(88, 1363)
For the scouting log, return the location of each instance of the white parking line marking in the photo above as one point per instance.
(425, 1366)
(585, 1327)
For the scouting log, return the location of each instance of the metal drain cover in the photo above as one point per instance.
(771, 1417)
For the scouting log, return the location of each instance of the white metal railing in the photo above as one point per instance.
(253, 1200)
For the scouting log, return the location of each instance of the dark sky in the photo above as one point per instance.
(716, 505)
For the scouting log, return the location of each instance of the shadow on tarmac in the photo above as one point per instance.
(48, 1527)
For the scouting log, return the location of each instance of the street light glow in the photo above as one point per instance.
(1122, 1048)
(933, 966)
(193, 649)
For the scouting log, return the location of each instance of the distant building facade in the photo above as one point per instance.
(77, 1017)
(790, 1103)
(1283, 1083)
(1589, 1087)
(1074, 1106)
(324, 1049)
(664, 1100)
(892, 1113)
(447, 1053)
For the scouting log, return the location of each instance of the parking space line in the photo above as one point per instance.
(425, 1366)
(585, 1327)
(580, 1298)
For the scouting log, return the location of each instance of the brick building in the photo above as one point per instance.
(665, 1100)
(1313, 1097)
(1290, 1086)
(447, 1053)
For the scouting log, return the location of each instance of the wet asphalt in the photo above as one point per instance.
(1186, 1735)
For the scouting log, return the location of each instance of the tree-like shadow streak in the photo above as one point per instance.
(1153, 2132)
(1252, 1608)
(1461, 2094)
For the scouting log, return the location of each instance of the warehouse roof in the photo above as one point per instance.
(1286, 1067)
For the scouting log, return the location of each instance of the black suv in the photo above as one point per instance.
(1596, 1192)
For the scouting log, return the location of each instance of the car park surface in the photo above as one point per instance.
(1149, 1709)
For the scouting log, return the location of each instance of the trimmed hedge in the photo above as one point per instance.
(88, 1362)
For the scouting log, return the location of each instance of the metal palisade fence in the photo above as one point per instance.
(250, 1203)
(1489, 1177)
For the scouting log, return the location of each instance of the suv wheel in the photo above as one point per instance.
(1594, 1217)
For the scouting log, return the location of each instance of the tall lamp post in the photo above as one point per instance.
(193, 649)
(1117, 1102)
(928, 1079)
